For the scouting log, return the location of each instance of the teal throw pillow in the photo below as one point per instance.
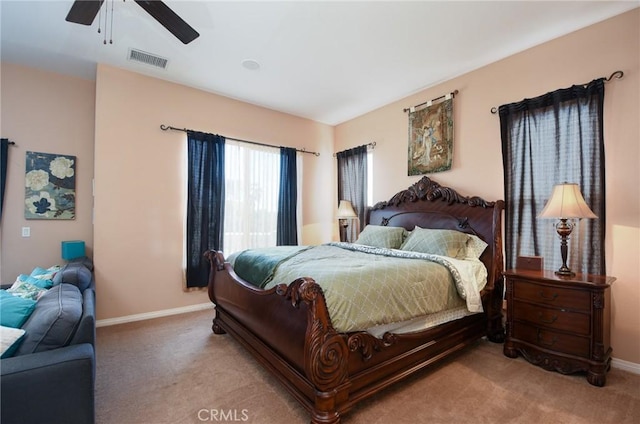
(43, 276)
(14, 310)
(38, 282)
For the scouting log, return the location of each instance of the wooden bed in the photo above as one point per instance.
(288, 328)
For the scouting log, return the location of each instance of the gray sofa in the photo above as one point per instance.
(51, 377)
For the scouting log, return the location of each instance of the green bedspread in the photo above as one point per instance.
(365, 286)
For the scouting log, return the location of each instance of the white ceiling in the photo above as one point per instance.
(329, 61)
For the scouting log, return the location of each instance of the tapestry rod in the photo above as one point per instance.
(169, 127)
(617, 74)
(428, 103)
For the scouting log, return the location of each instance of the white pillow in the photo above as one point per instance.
(8, 337)
(475, 247)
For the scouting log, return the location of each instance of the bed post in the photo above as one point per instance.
(216, 259)
(495, 328)
(325, 353)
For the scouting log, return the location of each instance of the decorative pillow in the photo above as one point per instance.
(42, 283)
(45, 276)
(54, 321)
(14, 310)
(437, 242)
(381, 236)
(26, 290)
(10, 339)
(74, 273)
(475, 247)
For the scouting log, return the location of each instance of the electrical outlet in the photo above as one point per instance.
(26, 231)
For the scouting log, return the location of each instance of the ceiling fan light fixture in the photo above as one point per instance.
(251, 64)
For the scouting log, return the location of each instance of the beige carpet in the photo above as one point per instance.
(175, 370)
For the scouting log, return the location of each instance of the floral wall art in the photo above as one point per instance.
(50, 186)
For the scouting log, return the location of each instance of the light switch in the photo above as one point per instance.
(26, 231)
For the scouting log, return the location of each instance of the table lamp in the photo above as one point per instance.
(345, 212)
(566, 202)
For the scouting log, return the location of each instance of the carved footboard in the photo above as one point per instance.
(294, 338)
(288, 329)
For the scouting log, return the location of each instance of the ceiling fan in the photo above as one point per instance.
(84, 12)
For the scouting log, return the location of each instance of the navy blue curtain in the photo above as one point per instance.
(287, 230)
(548, 140)
(205, 203)
(4, 152)
(352, 186)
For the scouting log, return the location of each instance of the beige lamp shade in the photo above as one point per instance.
(345, 210)
(566, 202)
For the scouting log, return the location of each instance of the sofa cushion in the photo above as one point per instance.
(74, 273)
(14, 310)
(10, 339)
(54, 320)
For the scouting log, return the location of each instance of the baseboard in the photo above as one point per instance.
(155, 314)
(625, 365)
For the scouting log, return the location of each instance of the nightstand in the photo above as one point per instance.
(560, 323)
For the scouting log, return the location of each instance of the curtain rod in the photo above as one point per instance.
(617, 74)
(371, 145)
(169, 127)
(428, 102)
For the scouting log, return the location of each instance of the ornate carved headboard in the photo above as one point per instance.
(427, 204)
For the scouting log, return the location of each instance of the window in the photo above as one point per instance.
(548, 140)
(239, 196)
(252, 179)
(370, 178)
(252, 176)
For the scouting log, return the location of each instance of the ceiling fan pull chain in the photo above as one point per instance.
(111, 36)
(99, 19)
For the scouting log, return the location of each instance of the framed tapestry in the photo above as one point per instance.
(50, 186)
(431, 138)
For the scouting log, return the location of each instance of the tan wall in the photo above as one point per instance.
(477, 165)
(50, 113)
(140, 182)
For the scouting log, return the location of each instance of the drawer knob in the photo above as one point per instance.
(545, 342)
(545, 297)
(547, 321)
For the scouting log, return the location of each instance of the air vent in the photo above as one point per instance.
(148, 58)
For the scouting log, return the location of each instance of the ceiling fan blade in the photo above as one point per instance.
(84, 11)
(170, 20)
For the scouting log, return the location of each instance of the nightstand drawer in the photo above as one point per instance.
(577, 300)
(551, 318)
(548, 339)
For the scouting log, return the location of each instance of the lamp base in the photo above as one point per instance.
(565, 273)
(564, 230)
